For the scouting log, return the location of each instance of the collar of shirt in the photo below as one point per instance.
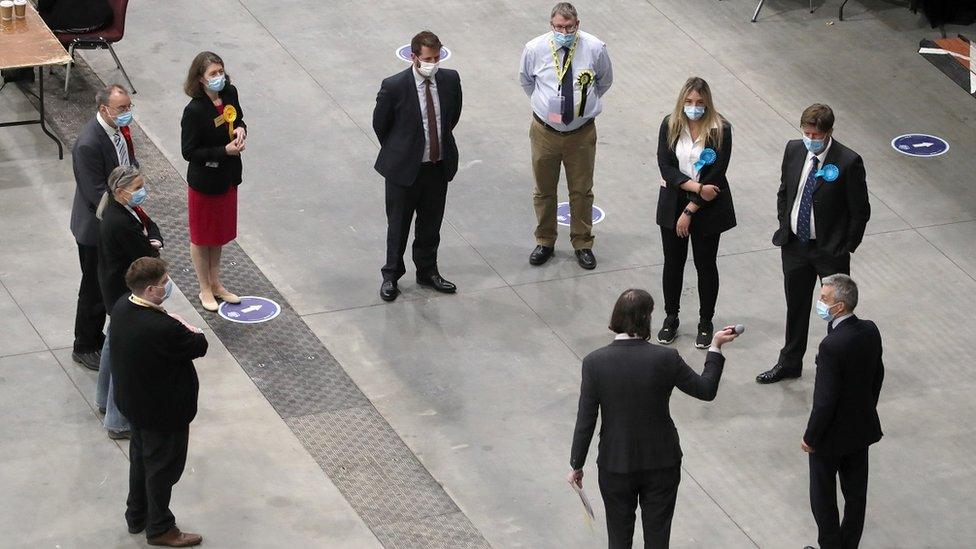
(419, 79)
(840, 319)
(625, 336)
(145, 303)
(821, 155)
(108, 129)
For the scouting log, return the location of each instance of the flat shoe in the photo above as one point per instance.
(228, 297)
(209, 305)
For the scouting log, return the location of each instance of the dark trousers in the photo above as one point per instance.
(90, 314)
(156, 461)
(853, 471)
(803, 265)
(426, 197)
(704, 252)
(657, 492)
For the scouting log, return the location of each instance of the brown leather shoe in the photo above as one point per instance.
(174, 538)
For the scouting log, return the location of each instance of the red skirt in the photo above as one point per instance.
(213, 217)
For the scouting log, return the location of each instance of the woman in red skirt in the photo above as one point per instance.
(213, 138)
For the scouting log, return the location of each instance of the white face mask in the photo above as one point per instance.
(427, 70)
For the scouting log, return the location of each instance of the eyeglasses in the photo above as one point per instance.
(565, 29)
(123, 110)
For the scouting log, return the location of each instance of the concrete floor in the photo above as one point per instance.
(482, 386)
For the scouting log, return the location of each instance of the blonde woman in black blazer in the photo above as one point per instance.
(213, 138)
(695, 202)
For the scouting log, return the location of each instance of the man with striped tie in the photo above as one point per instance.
(823, 210)
(103, 144)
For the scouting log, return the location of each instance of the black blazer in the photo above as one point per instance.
(850, 372)
(75, 15)
(840, 208)
(122, 242)
(630, 383)
(152, 356)
(211, 169)
(712, 217)
(400, 130)
(93, 157)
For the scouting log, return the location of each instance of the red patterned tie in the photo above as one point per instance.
(432, 138)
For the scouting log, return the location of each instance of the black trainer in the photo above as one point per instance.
(704, 339)
(669, 331)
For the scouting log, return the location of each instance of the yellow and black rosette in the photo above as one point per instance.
(230, 115)
(583, 82)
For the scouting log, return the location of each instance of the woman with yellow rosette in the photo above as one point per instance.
(213, 139)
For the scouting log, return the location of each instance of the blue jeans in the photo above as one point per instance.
(105, 393)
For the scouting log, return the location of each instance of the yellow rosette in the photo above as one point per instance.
(230, 115)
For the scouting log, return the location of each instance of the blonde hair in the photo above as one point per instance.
(120, 178)
(712, 122)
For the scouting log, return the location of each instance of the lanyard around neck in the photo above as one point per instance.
(561, 71)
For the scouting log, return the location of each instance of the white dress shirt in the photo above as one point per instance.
(688, 151)
(537, 75)
(618, 337)
(840, 319)
(122, 152)
(795, 213)
(422, 95)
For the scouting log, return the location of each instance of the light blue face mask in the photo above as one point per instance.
(823, 311)
(694, 112)
(168, 289)
(138, 197)
(216, 83)
(563, 40)
(123, 119)
(813, 145)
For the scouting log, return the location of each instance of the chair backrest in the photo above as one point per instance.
(118, 15)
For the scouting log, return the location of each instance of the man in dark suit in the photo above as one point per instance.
(630, 382)
(844, 420)
(156, 387)
(103, 144)
(414, 119)
(823, 209)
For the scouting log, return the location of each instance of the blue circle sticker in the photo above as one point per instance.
(920, 144)
(403, 53)
(251, 310)
(563, 215)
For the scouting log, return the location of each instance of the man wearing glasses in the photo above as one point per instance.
(103, 144)
(565, 72)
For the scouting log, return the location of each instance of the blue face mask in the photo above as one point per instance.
(823, 311)
(216, 83)
(813, 145)
(563, 40)
(168, 289)
(694, 112)
(123, 119)
(138, 197)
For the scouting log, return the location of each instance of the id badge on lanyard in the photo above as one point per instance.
(556, 109)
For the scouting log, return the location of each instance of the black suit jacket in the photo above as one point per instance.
(840, 208)
(211, 169)
(712, 217)
(122, 242)
(93, 158)
(400, 129)
(152, 356)
(850, 372)
(630, 383)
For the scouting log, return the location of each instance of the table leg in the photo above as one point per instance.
(40, 101)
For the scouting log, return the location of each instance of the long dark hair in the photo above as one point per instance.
(193, 86)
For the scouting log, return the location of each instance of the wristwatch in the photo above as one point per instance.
(689, 212)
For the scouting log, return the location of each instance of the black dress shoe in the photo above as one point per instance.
(777, 373)
(88, 360)
(437, 282)
(540, 254)
(586, 258)
(389, 290)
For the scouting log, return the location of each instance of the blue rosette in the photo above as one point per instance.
(829, 173)
(707, 157)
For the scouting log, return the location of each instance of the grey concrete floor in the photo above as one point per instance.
(482, 386)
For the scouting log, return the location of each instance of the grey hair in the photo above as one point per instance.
(104, 94)
(565, 9)
(845, 289)
(120, 178)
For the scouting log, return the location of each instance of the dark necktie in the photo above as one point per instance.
(432, 138)
(566, 89)
(806, 203)
(830, 327)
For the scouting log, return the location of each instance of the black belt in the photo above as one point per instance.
(560, 132)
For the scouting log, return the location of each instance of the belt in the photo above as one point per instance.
(560, 132)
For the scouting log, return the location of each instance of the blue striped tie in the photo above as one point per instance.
(806, 203)
(121, 148)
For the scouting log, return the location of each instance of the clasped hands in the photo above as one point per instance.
(236, 147)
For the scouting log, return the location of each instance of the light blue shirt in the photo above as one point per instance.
(537, 75)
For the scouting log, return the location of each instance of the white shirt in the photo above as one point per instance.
(618, 337)
(803, 183)
(112, 133)
(537, 75)
(689, 151)
(840, 319)
(422, 95)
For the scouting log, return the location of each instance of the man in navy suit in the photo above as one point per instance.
(414, 119)
(844, 421)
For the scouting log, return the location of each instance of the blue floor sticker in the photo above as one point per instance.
(920, 144)
(251, 310)
(563, 215)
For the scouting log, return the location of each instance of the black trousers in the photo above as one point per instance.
(90, 313)
(425, 198)
(704, 252)
(657, 492)
(156, 461)
(803, 265)
(853, 471)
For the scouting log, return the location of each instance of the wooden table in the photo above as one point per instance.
(27, 42)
